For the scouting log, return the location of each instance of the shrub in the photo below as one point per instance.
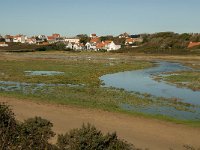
(41, 49)
(8, 127)
(89, 138)
(35, 133)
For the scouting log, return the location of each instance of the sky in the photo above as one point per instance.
(104, 17)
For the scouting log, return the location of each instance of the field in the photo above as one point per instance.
(79, 84)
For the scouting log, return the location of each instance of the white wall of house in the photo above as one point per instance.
(20, 39)
(88, 45)
(7, 40)
(77, 47)
(72, 40)
(69, 45)
(31, 41)
(17, 39)
(129, 43)
(113, 46)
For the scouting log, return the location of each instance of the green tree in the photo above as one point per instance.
(83, 38)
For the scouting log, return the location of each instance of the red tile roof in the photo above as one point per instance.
(95, 40)
(129, 40)
(50, 38)
(100, 45)
(193, 44)
(56, 35)
(9, 37)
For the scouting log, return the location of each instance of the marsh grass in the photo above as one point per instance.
(75, 72)
(187, 79)
(82, 72)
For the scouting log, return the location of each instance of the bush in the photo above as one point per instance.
(41, 49)
(89, 138)
(8, 127)
(32, 134)
(35, 133)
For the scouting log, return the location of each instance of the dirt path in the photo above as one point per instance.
(144, 133)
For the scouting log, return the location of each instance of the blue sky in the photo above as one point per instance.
(71, 17)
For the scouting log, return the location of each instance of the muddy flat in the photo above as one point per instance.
(142, 132)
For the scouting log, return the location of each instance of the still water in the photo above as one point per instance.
(142, 81)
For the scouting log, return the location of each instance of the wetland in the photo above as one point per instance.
(111, 83)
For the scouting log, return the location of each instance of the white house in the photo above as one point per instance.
(8, 38)
(69, 45)
(19, 39)
(31, 41)
(3, 44)
(78, 47)
(90, 46)
(41, 38)
(113, 46)
(131, 41)
(75, 46)
(51, 39)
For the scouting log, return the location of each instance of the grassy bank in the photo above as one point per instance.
(186, 79)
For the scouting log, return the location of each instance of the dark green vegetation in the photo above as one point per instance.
(56, 46)
(183, 79)
(83, 38)
(35, 133)
(166, 43)
(20, 47)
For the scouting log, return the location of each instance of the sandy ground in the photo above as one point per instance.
(142, 132)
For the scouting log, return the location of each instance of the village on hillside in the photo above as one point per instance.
(144, 42)
(79, 42)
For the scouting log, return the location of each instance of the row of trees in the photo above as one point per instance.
(35, 133)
